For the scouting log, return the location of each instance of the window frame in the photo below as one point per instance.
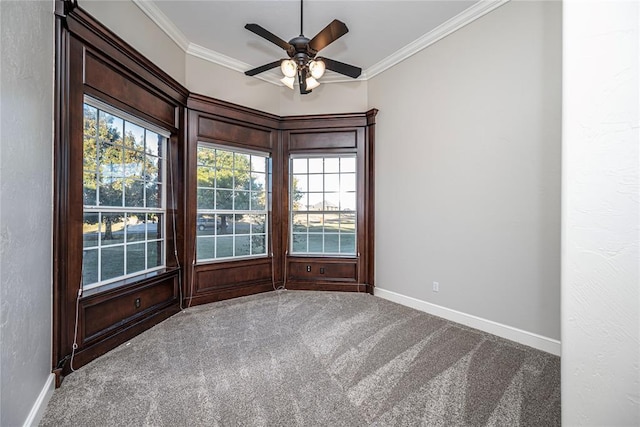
(291, 212)
(98, 209)
(267, 211)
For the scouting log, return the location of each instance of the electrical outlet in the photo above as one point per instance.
(436, 287)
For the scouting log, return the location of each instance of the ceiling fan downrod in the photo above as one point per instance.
(301, 17)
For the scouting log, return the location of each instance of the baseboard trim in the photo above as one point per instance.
(530, 339)
(38, 408)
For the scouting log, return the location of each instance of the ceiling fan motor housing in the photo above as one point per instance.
(301, 50)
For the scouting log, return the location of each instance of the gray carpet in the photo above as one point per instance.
(313, 359)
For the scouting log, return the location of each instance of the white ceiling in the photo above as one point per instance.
(381, 33)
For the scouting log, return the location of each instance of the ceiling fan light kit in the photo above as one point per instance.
(289, 68)
(311, 83)
(302, 52)
(288, 81)
(316, 68)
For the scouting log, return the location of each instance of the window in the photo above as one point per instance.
(124, 207)
(232, 203)
(323, 205)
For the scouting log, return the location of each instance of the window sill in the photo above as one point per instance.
(129, 282)
(319, 255)
(231, 259)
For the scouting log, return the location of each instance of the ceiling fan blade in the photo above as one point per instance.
(342, 68)
(257, 29)
(328, 35)
(263, 68)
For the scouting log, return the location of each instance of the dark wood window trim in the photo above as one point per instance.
(234, 127)
(91, 60)
(230, 125)
(314, 135)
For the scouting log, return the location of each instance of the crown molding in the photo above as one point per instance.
(454, 24)
(230, 63)
(333, 77)
(216, 57)
(165, 24)
(464, 18)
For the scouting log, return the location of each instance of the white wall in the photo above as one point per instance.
(468, 170)
(347, 97)
(26, 87)
(206, 78)
(601, 215)
(127, 20)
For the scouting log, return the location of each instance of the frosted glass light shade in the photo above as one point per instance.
(316, 68)
(312, 83)
(288, 81)
(289, 68)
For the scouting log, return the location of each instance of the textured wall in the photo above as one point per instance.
(131, 24)
(26, 87)
(601, 214)
(468, 170)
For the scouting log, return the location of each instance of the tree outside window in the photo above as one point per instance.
(124, 205)
(232, 203)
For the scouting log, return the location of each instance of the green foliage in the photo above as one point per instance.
(116, 166)
(297, 195)
(227, 182)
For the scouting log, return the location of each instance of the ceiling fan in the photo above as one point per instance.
(303, 61)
